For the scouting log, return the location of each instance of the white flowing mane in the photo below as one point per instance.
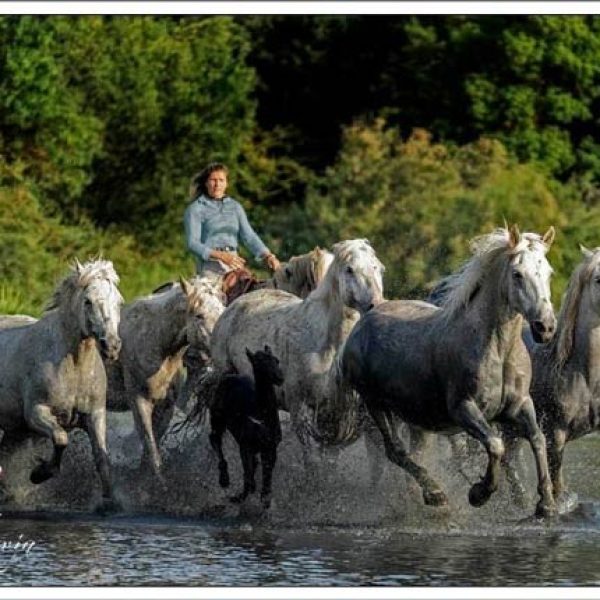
(487, 249)
(81, 276)
(562, 343)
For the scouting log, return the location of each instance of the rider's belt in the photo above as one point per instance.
(226, 249)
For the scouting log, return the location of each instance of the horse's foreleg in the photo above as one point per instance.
(555, 444)
(95, 425)
(268, 457)
(41, 420)
(396, 452)
(546, 505)
(468, 416)
(249, 466)
(142, 412)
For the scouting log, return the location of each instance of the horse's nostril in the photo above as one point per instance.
(370, 306)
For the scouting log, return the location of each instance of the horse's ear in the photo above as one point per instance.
(587, 253)
(268, 349)
(549, 237)
(249, 355)
(78, 266)
(186, 286)
(514, 235)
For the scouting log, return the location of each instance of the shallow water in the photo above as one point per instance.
(332, 529)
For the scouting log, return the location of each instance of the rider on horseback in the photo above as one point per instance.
(215, 224)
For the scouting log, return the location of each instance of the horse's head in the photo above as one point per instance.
(98, 302)
(265, 363)
(359, 274)
(204, 307)
(529, 281)
(302, 274)
(591, 276)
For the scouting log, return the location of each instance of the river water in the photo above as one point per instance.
(331, 526)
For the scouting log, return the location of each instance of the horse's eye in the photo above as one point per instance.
(517, 276)
(88, 303)
(349, 270)
(288, 273)
(597, 280)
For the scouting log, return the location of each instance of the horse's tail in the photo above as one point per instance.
(204, 385)
(337, 420)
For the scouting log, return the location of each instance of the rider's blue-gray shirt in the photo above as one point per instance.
(213, 224)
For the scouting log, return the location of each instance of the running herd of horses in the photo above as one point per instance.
(484, 355)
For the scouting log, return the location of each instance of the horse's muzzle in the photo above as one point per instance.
(110, 348)
(543, 332)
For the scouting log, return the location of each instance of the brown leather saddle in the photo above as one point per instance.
(239, 282)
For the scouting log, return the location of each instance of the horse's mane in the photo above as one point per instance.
(344, 253)
(561, 344)
(80, 276)
(455, 291)
(201, 286)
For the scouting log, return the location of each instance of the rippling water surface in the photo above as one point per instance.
(336, 529)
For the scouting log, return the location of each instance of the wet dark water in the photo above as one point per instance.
(145, 551)
(337, 529)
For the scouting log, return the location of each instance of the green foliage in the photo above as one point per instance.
(420, 202)
(36, 250)
(103, 121)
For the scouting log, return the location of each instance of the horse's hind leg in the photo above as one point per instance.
(41, 419)
(95, 426)
(546, 505)
(555, 443)
(468, 415)
(396, 452)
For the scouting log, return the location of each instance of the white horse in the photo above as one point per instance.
(156, 331)
(305, 335)
(52, 377)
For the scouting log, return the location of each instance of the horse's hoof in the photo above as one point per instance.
(435, 498)
(479, 494)
(566, 502)
(224, 480)
(545, 511)
(42, 473)
(107, 506)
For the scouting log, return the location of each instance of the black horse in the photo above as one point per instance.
(248, 409)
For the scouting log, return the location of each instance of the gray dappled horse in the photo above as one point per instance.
(565, 386)
(462, 366)
(305, 335)
(52, 376)
(156, 331)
